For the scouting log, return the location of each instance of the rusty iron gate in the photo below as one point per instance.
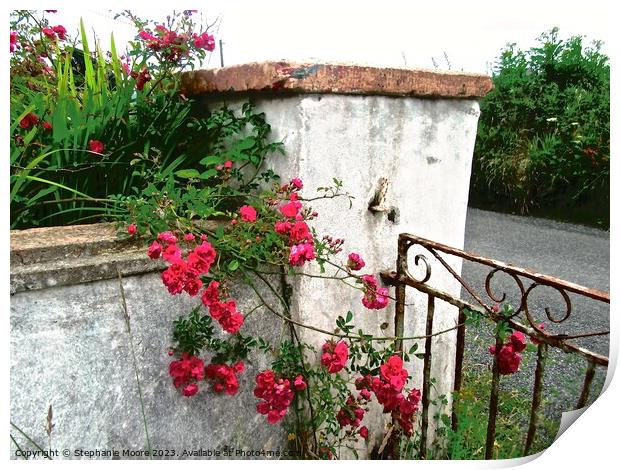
(521, 320)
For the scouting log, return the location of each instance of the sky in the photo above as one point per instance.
(448, 35)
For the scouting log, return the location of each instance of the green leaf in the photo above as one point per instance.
(233, 265)
(208, 174)
(245, 144)
(211, 160)
(188, 173)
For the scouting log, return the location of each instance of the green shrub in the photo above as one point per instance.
(543, 135)
(88, 129)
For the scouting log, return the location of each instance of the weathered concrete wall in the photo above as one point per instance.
(423, 148)
(333, 124)
(71, 349)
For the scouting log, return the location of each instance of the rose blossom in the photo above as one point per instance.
(211, 295)
(172, 253)
(192, 286)
(13, 40)
(291, 209)
(201, 258)
(301, 253)
(225, 313)
(96, 146)
(167, 237)
(185, 372)
(335, 356)
(60, 31)
(351, 414)
(190, 390)
(141, 78)
(276, 395)
(374, 298)
(174, 277)
(247, 213)
(300, 232)
(508, 359)
(297, 183)
(49, 33)
(517, 339)
(300, 383)
(224, 377)
(283, 227)
(28, 121)
(204, 41)
(355, 262)
(154, 251)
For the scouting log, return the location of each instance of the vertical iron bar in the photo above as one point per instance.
(426, 385)
(536, 399)
(399, 315)
(458, 372)
(221, 53)
(399, 331)
(399, 319)
(488, 454)
(585, 391)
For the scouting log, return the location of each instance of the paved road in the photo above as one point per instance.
(570, 252)
(573, 253)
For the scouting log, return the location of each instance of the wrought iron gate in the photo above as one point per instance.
(522, 320)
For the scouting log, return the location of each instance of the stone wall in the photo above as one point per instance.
(104, 369)
(69, 343)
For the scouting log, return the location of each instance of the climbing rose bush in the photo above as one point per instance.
(277, 225)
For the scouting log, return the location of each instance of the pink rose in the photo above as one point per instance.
(49, 33)
(355, 262)
(167, 237)
(60, 31)
(247, 213)
(301, 253)
(190, 390)
(517, 339)
(335, 356)
(154, 251)
(300, 383)
(291, 209)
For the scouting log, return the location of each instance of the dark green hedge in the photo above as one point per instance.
(543, 135)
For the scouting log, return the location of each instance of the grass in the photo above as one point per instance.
(472, 405)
